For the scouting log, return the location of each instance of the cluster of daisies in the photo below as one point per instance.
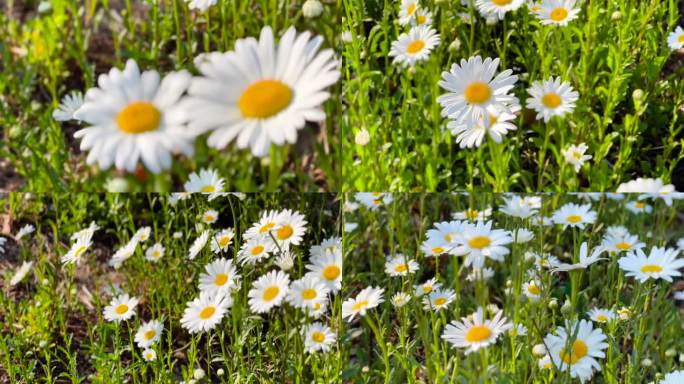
(579, 344)
(258, 94)
(273, 235)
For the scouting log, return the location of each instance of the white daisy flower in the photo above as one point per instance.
(601, 315)
(205, 312)
(473, 214)
(551, 98)
(200, 5)
(476, 333)
(267, 222)
(557, 12)
(586, 346)
(262, 93)
(399, 265)
(414, 46)
(268, 291)
(422, 17)
(545, 362)
(255, 249)
(142, 234)
(124, 253)
(617, 231)
(649, 188)
(518, 330)
(661, 263)
(498, 8)
(198, 245)
(574, 215)
(285, 260)
(308, 292)
(149, 333)
(290, 228)
(675, 40)
(318, 337)
(155, 252)
(23, 231)
(624, 243)
(473, 90)
(210, 216)
(68, 106)
(21, 273)
(327, 246)
(427, 287)
(407, 11)
(368, 298)
(207, 182)
(400, 299)
(445, 235)
(575, 155)
(495, 124)
(674, 377)
(328, 268)
(222, 240)
(532, 289)
(149, 355)
(121, 307)
(522, 235)
(480, 241)
(373, 200)
(78, 249)
(438, 299)
(585, 259)
(135, 116)
(220, 277)
(480, 274)
(638, 207)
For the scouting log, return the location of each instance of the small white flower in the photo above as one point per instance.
(68, 106)
(575, 155)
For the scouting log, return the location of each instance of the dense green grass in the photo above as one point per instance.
(45, 55)
(407, 344)
(53, 329)
(604, 55)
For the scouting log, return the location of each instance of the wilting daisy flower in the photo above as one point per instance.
(328, 268)
(438, 299)
(415, 45)
(318, 337)
(308, 292)
(473, 214)
(575, 155)
(476, 333)
(557, 12)
(268, 291)
(624, 243)
(400, 299)
(135, 116)
(400, 265)
(473, 90)
(21, 273)
(494, 124)
(522, 235)
(149, 333)
(205, 312)
(407, 11)
(260, 93)
(422, 17)
(638, 207)
(551, 98)
(601, 315)
(155, 252)
(498, 8)
(220, 277)
(86, 232)
(675, 40)
(200, 5)
(123, 253)
(574, 215)
(427, 287)
(68, 106)
(661, 263)
(532, 290)
(285, 260)
(480, 241)
(290, 228)
(649, 188)
(255, 249)
(198, 245)
(222, 240)
(120, 308)
(149, 355)
(210, 216)
(207, 182)
(521, 206)
(83, 242)
(675, 377)
(368, 298)
(586, 346)
(23, 231)
(585, 259)
(267, 222)
(142, 234)
(480, 274)
(372, 200)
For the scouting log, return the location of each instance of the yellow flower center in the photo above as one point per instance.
(121, 309)
(79, 251)
(501, 2)
(415, 47)
(223, 241)
(308, 294)
(138, 117)
(448, 237)
(479, 242)
(680, 39)
(639, 205)
(284, 232)
(420, 19)
(623, 246)
(440, 301)
(150, 334)
(360, 305)
(651, 268)
(270, 293)
(208, 218)
(579, 350)
(427, 288)
(437, 250)
(574, 219)
(559, 14)
(551, 100)
(318, 337)
(266, 227)
(208, 189)
(264, 99)
(471, 213)
(411, 8)
(257, 250)
(533, 289)
(477, 92)
(602, 318)
(207, 312)
(156, 254)
(400, 268)
(331, 272)
(221, 279)
(478, 333)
